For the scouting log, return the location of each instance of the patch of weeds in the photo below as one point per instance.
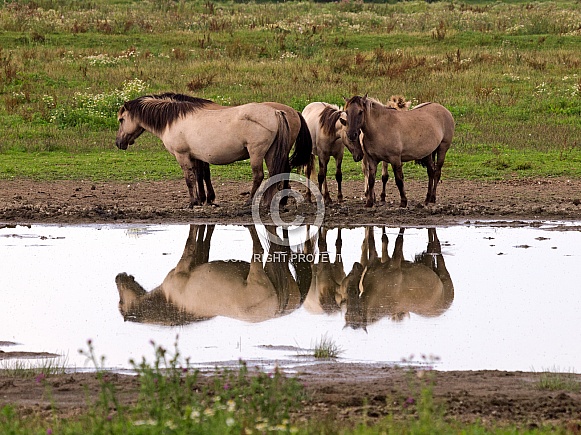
(555, 380)
(326, 348)
(175, 398)
(37, 368)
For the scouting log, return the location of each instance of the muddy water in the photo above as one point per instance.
(462, 298)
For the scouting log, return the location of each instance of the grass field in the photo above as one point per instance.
(508, 71)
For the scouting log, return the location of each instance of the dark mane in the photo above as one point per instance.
(355, 99)
(155, 308)
(162, 110)
(328, 119)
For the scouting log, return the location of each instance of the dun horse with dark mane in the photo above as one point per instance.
(196, 130)
(423, 134)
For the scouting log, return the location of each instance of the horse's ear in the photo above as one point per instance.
(343, 118)
(345, 98)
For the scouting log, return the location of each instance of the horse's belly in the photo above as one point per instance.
(220, 289)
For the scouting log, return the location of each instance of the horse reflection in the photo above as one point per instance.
(198, 289)
(394, 287)
(324, 295)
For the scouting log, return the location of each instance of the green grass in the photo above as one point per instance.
(175, 398)
(326, 348)
(508, 71)
(558, 380)
(37, 368)
(154, 163)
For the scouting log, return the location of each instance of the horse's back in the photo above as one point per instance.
(431, 119)
(221, 288)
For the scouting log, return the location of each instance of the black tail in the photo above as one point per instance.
(303, 146)
(277, 152)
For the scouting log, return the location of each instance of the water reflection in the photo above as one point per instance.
(198, 289)
(393, 287)
(278, 281)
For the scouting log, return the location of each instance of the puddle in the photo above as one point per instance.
(466, 297)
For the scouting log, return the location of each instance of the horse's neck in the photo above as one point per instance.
(376, 118)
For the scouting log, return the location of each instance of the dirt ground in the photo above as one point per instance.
(340, 391)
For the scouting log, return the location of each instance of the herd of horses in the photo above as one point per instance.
(199, 132)
(378, 286)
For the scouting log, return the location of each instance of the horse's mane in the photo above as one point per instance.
(155, 308)
(329, 117)
(162, 110)
(366, 102)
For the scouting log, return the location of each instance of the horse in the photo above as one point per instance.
(327, 134)
(397, 102)
(423, 134)
(394, 287)
(196, 129)
(198, 289)
(299, 133)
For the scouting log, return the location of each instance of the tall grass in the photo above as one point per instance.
(508, 71)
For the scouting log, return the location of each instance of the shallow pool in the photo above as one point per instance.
(471, 297)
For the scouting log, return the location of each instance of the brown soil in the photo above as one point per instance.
(459, 201)
(339, 391)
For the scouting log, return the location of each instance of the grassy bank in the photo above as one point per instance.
(508, 71)
(173, 398)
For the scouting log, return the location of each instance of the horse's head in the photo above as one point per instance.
(129, 128)
(353, 119)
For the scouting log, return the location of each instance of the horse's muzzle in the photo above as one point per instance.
(122, 145)
(357, 156)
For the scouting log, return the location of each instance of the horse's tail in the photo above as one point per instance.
(310, 167)
(303, 145)
(278, 151)
(423, 163)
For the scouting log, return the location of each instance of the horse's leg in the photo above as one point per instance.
(441, 156)
(211, 194)
(371, 170)
(187, 166)
(384, 244)
(398, 172)
(308, 171)
(339, 176)
(384, 179)
(322, 178)
(428, 162)
(257, 177)
(199, 170)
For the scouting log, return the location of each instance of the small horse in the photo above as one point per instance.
(423, 134)
(195, 129)
(327, 134)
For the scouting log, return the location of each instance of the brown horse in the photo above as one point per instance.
(327, 134)
(393, 287)
(397, 102)
(198, 289)
(423, 134)
(195, 129)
